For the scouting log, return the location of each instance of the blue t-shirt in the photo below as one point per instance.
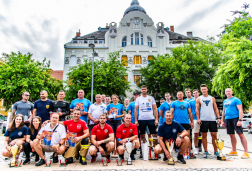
(165, 107)
(43, 109)
(83, 105)
(180, 113)
(16, 133)
(160, 119)
(170, 131)
(132, 108)
(186, 100)
(115, 109)
(33, 136)
(193, 108)
(231, 110)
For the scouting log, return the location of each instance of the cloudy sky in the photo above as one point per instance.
(42, 27)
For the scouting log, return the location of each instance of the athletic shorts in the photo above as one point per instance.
(149, 123)
(186, 126)
(103, 145)
(114, 124)
(208, 125)
(231, 125)
(196, 128)
(48, 148)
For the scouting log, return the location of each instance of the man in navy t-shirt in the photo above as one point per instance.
(42, 107)
(172, 130)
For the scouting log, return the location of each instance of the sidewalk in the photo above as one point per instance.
(232, 163)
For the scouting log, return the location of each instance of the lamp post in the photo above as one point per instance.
(91, 45)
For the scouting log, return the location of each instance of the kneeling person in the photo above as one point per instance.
(102, 139)
(125, 131)
(57, 141)
(172, 130)
(78, 126)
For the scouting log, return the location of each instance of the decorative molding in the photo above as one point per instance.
(145, 24)
(144, 60)
(130, 61)
(78, 60)
(102, 60)
(128, 24)
(73, 51)
(66, 60)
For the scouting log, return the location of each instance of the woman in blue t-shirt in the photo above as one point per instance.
(16, 134)
(32, 133)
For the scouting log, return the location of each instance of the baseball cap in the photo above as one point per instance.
(136, 92)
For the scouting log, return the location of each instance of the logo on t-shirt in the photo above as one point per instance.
(149, 100)
(20, 133)
(174, 130)
(124, 131)
(182, 107)
(147, 104)
(80, 106)
(106, 131)
(47, 106)
(113, 110)
(79, 126)
(131, 130)
(227, 104)
(206, 102)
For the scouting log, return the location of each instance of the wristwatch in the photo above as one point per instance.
(240, 120)
(179, 136)
(59, 144)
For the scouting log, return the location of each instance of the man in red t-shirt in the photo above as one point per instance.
(102, 139)
(125, 131)
(79, 127)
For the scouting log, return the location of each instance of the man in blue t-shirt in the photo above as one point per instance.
(160, 119)
(181, 111)
(131, 107)
(172, 131)
(81, 103)
(42, 106)
(188, 94)
(166, 106)
(232, 119)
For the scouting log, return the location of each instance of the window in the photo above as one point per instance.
(132, 39)
(124, 60)
(150, 58)
(137, 79)
(141, 39)
(149, 42)
(136, 38)
(73, 61)
(126, 77)
(95, 42)
(137, 60)
(90, 41)
(100, 41)
(124, 41)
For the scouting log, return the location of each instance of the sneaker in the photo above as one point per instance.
(55, 158)
(232, 153)
(83, 162)
(132, 156)
(93, 159)
(216, 153)
(24, 155)
(191, 156)
(181, 159)
(196, 151)
(33, 155)
(245, 156)
(165, 158)
(108, 158)
(141, 156)
(158, 156)
(41, 162)
(206, 154)
(27, 161)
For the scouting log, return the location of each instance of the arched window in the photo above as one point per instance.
(73, 61)
(141, 39)
(149, 41)
(131, 39)
(136, 38)
(137, 60)
(124, 41)
(137, 79)
(124, 60)
(150, 58)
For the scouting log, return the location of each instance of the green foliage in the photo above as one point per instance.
(188, 66)
(109, 78)
(19, 73)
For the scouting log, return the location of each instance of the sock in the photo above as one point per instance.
(108, 156)
(93, 156)
(121, 156)
(134, 151)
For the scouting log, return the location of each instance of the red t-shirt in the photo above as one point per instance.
(123, 132)
(76, 127)
(102, 134)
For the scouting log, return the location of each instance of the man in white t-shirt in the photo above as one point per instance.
(57, 141)
(146, 105)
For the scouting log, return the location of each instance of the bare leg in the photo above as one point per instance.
(184, 145)
(38, 148)
(233, 142)
(214, 137)
(204, 140)
(110, 146)
(190, 141)
(244, 142)
(196, 139)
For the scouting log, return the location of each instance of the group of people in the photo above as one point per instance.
(104, 126)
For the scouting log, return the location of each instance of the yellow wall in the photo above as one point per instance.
(2, 108)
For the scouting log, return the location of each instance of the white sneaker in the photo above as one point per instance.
(196, 151)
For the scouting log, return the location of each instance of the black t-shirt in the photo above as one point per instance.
(33, 136)
(60, 106)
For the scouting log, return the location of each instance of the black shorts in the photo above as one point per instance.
(114, 124)
(208, 125)
(186, 126)
(149, 123)
(103, 145)
(231, 125)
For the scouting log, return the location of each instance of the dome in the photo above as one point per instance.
(134, 6)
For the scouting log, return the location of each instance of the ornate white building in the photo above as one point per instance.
(136, 35)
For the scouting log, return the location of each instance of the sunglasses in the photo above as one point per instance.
(27, 95)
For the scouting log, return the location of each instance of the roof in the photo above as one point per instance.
(100, 34)
(57, 74)
(134, 6)
(177, 36)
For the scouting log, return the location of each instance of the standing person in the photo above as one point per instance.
(188, 94)
(160, 120)
(118, 110)
(82, 103)
(102, 139)
(131, 108)
(166, 106)
(107, 100)
(103, 96)
(181, 111)
(95, 111)
(147, 106)
(126, 106)
(42, 107)
(232, 119)
(196, 128)
(174, 131)
(57, 141)
(60, 106)
(32, 133)
(23, 107)
(127, 131)
(206, 111)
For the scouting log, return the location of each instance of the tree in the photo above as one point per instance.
(19, 73)
(188, 66)
(109, 78)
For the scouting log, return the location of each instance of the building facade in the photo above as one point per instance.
(137, 38)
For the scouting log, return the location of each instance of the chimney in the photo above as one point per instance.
(78, 34)
(172, 28)
(107, 25)
(189, 34)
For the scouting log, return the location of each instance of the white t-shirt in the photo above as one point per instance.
(145, 107)
(59, 133)
(96, 110)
